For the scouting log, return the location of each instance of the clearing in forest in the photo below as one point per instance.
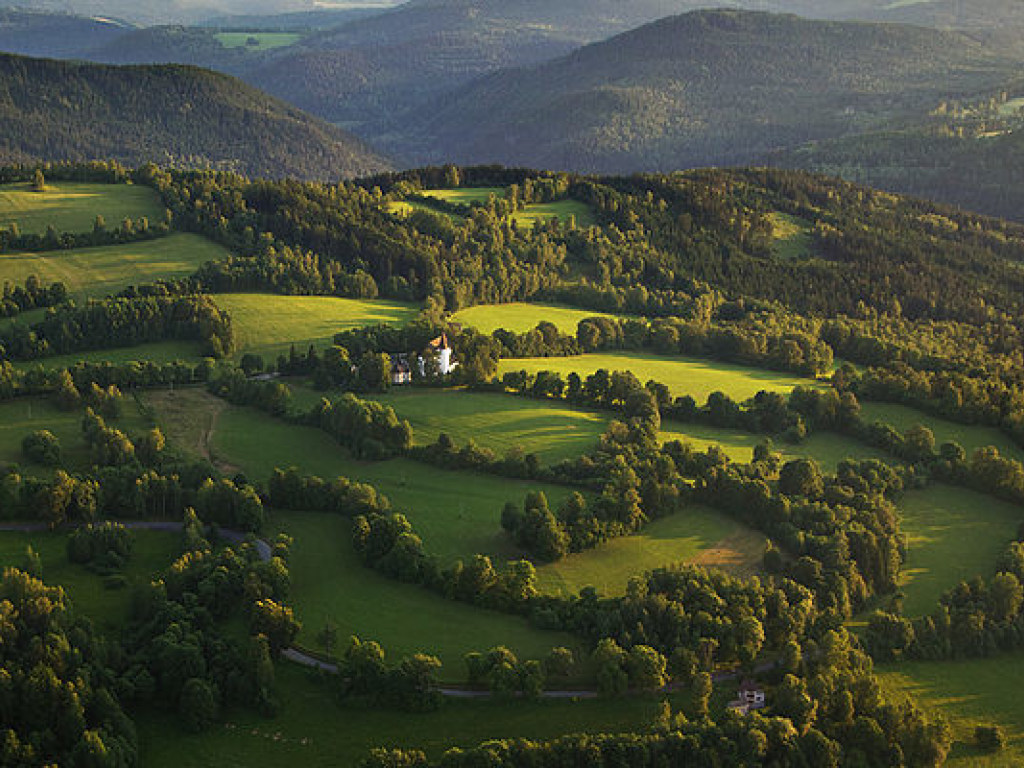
(523, 316)
(73, 206)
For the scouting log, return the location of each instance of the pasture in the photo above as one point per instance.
(91, 273)
(464, 195)
(73, 206)
(554, 431)
(312, 730)
(257, 40)
(697, 535)
(967, 693)
(108, 609)
(330, 583)
(153, 352)
(970, 436)
(269, 323)
(697, 377)
(522, 316)
(792, 236)
(563, 210)
(953, 535)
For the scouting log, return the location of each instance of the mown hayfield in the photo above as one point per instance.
(827, 448)
(74, 206)
(108, 609)
(269, 323)
(953, 535)
(697, 377)
(154, 352)
(330, 583)
(500, 422)
(967, 693)
(257, 40)
(698, 535)
(523, 316)
(457, 514)
(23, 416)
(100, 272)
(970, 436)
(312, 730)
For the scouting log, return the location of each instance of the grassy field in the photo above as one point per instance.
(500, 422)
(464, 195)
(23, 416)
(187, 418)
(155, 352)
(953, 534)
(521, 317)
(330, 583)
(827, 448)
(692, 376)
(971, 437)
(270, 324)
(562, 210)
(108, 609)
(99, 272)
(792, 236)
(312, 730)
(73, 206)
(264, 41)
(967, 693)
(698, 535)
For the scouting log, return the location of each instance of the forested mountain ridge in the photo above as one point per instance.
(714, 87)
(52, 110)
(32, 33)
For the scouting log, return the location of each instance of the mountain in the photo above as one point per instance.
(35, 33)
(181, 115)
(163, 11)
(708, 87)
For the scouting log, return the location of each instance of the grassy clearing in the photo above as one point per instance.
(499, 422)
(23, 416)
(692, 376)
(792, 236)
(563, 210)
(330, 583)
(99, 272)
(108, 609)
(1011, 107)
(73, 206)
(968, 693)
(312, 730)
(270, 324)
(827, 448)
(953, 534)
(698, 534)
(971, 437)
(256, 40)
(187, 417)
(156, 352)
(521, 316)
(464, 195)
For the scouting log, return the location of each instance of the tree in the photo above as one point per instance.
(38, 181)
(989, 737)
(277, 622)
(611, 667)
(328, 637)
(42, 447)
(646, 668)
(32, 564)
(559, 662)
(700, 695)
(801, 477)
(197, 706)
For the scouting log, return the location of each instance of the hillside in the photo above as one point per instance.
(684, 91)
(62, 111)
(52, 34)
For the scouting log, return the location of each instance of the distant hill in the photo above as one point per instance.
(161, 11)
(57, 110)
(709, 87)
(34, 33)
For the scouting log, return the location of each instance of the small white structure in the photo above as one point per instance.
(749, 698)
(401, 373)
(443, 350)
(438, 350)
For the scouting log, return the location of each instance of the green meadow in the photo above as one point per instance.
(563, 210)
(464, 195)
(553, 431)
(312, 730)
(257, 40)
(98, 272)
(523, 316)
(970, 436)
(697, 377)
(953, 534)
(108, 609)
(792, 236)
(270, 323)
(73, 206)
(330, 583)
(153, 352)
(697, 534)
(967, 693)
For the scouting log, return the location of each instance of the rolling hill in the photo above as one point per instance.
(56, 110)
(33, 33)
(709, 87)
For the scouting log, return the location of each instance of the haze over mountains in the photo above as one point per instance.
(52, 110)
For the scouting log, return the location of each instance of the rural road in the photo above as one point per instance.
(300, 657)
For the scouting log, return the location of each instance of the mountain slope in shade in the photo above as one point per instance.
(709, 87)
(33, 33)
(55, 110)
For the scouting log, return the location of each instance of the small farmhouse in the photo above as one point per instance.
(749, 698)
